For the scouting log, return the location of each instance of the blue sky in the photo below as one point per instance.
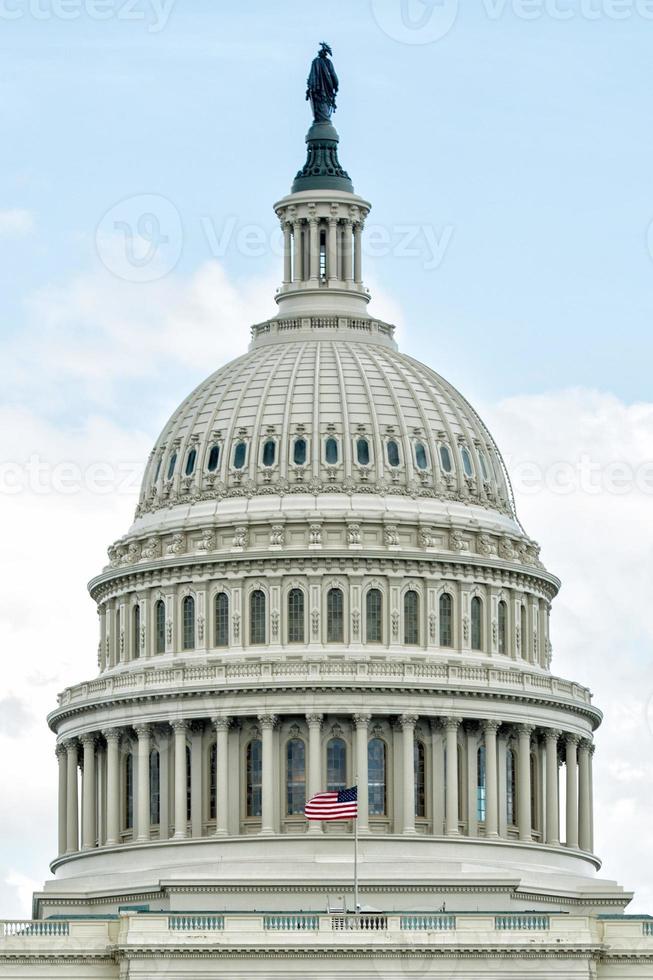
(507, 148)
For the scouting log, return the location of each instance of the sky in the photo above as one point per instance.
(507, 149)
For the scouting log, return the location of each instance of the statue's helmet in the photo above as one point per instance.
(325, 49)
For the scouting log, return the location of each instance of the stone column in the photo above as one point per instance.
(524, 816)
(408, 723)
(490, 729)
(144, 734)
(437, 776)
(313, 251)
(89, 807)
(298, 271)
(572, 790)
(552, 788)
(358, 258)
(72, 808)
(314, 722)
(287, 253)
(362, 722)
(332, 253)
(222, 776)
(585, 797)
(347, 250)
(113, 785)
(267, 723)
(180, 729)
(591, 764)
(452, 726)
(63, 793)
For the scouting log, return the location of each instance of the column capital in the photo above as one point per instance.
(452, 724)
(491, 725)
(572, 739)
(143, 730)
(88, 738)
(268, 721)
(60, 750)
(586, 745)
(525, 731)
(552, 734)
(408, 721)
(362, 720)
(221, 723)
(71, 744)
(314, 720)
(112, 734)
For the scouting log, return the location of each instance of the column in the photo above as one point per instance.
(181, 780)
(298, 271)
(591, 765)
(113, 785)
(143, 789)
(552, 788)
(347, 250)
(314, 722)
(408, 723)
(287, 253)
(437, 776)
(222, 776)
(72, 808)
(358, 258)
(196, 802)
(63, 793)
(267, 723)
(452, 725)
(332, 256)
(572, 790)
(362, 723)
(164, 785)
(524, 816)
(89, 807)
(313, 250)
(585, 797)
(490, 729)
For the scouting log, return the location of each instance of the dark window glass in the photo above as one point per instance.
(335, 616)
(129, 792)
(160, 617)
(467, 462)
(214, 459)
(171, 465)
(363, 452)
(393, 453)
(525, 645)
(254, 777)
(222, 620)
(480, 784)
(374, 616)
(189, 622)
(419, 756)
(296, 776)
(257, 617)
(299, 452)
(158, 470)
(445, 459)
(191, 459)
(213, 782)
(420, 456)
(331, 451)
(534, 799)
(240, 454)
(446, 620)
(189, 785)
(269, 452)
(336, 765)
(295, 616)
(136, 637)
(155, 788)
(503, 626)
(511, 786)
(411, 618)
(376, 773)
(477, 623)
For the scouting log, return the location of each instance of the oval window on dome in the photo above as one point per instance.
(299, 452)
(392, 450)
(171, 465)
(240, 455)
(445, 459)
(214, 459)
(421, 458)
(269, 452)
(331, 451)
(363, 452)
(483, 462)
(467, 461)
(191, 459)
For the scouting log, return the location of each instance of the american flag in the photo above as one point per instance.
(333, 806)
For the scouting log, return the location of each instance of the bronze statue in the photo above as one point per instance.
(322, 85)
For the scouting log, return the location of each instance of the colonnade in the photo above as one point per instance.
(322, 249)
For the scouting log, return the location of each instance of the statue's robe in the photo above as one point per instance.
(322, 87)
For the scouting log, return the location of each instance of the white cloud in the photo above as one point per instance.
(16, 223)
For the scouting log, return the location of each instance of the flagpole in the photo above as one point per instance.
(356, 853)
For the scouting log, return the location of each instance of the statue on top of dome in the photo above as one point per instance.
(322, 85)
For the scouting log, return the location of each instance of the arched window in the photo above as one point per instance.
(363, 452)
(214, 459)
(240, 455)
(129, 792)
(467, 462)
(503, 626)
(419, 763)
(477, 623)
(511, 786)
(335, 616)
(254, 777)
(331, 451)
(155, 788)
(269, 452)
(295, 616)
(481, 788)
(411, 618)
(213, 782)
(160, 625)
(392, 450)
(295, 776)
(525, 645)
(171, 466)
(484, 469)
(189, 622)
(421, 458)
(257, 624)
(446, 620)
(336, 765)
(376, 774)
(299, 452)
(374, 616)
(191, 459)
(445, 459)
(189, 784)
(222, 620)
(136, 631)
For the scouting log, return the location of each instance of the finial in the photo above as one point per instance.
(322, 85)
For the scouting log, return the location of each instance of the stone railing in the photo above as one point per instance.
(315, 324)
(291, 921)
(647, 928)
(35, 927)
(361, 922)
(517, 922)
(195, 923)
(428, 923)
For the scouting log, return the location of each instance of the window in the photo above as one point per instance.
(155, 788)
(335, 616)
(467, 462)
(511, 786)
(421, 458)
(189, 784)
(363, 452)
(331, 451)
(392, 450)
(240, 455)
(503, 626)
(299, 452)
(296, 776)
(189, 622)
(477, 623)
(160, 625)
(295, 616)
(257, 617)
(419, 755)
(158, 470)
(484, 470)
(446, 620)
(374, 616)
(525, 646)
(445, 459)
(129, 792)
(214, 459)
(254, 777)
(411, 618)
(213, 782)
(269, 452)
(136, 632)
(534, 795)
(191, 459)
(171, 466)
(376, 775)
(336, 765)
(481, 792)
(222, 620)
